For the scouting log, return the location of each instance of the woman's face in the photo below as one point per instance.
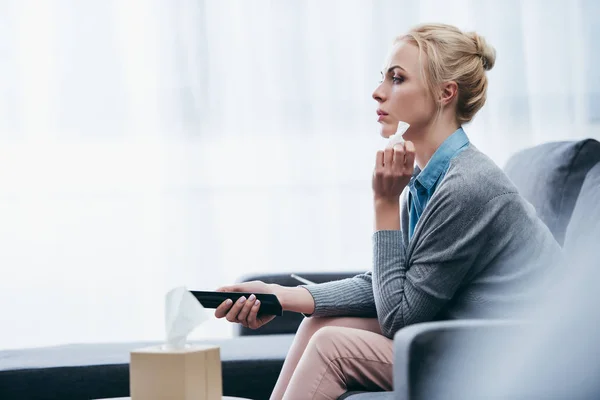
(403, 95)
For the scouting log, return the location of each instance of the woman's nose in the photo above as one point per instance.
(378, 95)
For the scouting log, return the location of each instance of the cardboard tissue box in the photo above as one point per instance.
(177, 370)
(159, 373)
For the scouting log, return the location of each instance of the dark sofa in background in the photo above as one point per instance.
(550, 176)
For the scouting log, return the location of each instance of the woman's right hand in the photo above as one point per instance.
(245, 310)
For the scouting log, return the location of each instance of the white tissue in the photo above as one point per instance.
(397, 137)
(183, 313)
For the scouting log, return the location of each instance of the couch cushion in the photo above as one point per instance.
(550, 176)
(250, 365)
(583, 233)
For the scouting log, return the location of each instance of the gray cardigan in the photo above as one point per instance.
(478, 251)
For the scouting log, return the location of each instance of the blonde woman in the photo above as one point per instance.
(453, 238)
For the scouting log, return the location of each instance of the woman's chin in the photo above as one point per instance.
(386, 130)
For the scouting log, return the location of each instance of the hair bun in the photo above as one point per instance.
(484, 50)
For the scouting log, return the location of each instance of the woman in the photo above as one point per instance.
(453, 238)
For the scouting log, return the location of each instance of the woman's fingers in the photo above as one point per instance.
(222, 309)
(244, 311)
(393, 170)
(243, 315)
(235, 310)
(398, 164)
(253, 316)
(388, 157)
(379, 159)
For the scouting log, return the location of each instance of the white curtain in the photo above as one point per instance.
(148, 144)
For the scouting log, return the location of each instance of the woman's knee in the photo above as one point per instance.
(309, 326)
(314, 325)
(325, 342)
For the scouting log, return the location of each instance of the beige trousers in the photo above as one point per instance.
(330, 355)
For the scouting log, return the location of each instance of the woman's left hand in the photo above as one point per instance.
(393, 170)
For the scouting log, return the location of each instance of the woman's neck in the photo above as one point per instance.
(430, 139)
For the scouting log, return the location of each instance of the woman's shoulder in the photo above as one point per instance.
(474, 179)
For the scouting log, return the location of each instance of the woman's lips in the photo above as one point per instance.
(381, 115)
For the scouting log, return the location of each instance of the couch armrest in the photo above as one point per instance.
(289, 321)
(444, 359)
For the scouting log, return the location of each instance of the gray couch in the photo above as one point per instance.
(562, 180)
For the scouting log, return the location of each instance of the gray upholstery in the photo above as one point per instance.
(583, 231)
(440, 360)
(91, 371)
(289, 321)
(550, 176)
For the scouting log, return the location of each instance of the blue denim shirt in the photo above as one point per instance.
(423, 183)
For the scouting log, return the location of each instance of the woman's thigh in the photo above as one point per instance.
(338, 358)
(309, 326)
(306, 331)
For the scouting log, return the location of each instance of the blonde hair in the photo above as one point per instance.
(453, 55)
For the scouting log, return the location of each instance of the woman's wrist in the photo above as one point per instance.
(387, 214)
(296, 299)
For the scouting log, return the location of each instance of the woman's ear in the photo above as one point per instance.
(449, 92)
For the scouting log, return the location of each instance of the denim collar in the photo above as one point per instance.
(441, 159)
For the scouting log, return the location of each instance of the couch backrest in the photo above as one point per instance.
(583, 233)
(550, 176)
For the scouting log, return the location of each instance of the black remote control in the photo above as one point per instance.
(269, 303)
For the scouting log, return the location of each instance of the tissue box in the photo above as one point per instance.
(194, 372)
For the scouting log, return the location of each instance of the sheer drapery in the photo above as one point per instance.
(150, 144)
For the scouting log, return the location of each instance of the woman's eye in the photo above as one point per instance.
(397, 79)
